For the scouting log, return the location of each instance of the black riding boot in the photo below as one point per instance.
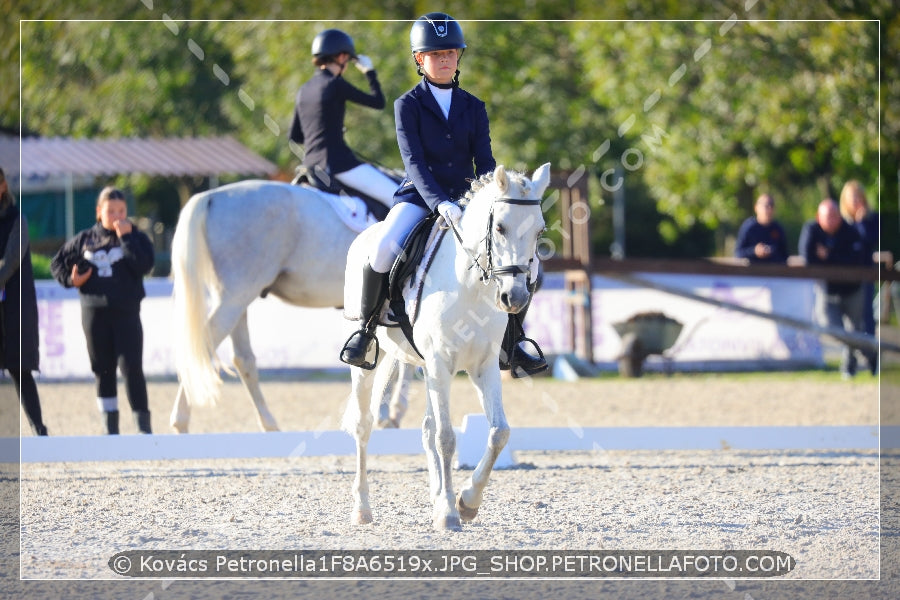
(513, 356)
(112, 422)
(142, 421)
(374, 293)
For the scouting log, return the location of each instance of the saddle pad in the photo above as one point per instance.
(350, 209)
(412, 286)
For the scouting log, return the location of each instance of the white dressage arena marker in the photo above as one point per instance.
(470, 437)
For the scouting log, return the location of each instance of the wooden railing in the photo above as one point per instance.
(882, 271)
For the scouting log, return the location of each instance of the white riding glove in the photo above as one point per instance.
(364, 63)
(450, 211)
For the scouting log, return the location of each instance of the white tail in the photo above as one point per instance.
(195, 356)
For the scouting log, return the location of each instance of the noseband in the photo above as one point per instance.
(490, 272)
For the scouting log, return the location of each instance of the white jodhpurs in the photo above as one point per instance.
(388, 242)
(370, 181)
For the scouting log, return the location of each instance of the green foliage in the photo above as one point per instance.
(40, 264)
(703, 114)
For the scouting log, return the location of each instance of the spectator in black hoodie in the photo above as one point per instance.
(107, 264)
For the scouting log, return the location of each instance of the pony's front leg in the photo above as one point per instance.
(440, 437)
(181, 412)
(358, 422)
(489, 392)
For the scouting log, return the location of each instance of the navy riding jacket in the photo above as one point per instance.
(318, 121)
(441, 155)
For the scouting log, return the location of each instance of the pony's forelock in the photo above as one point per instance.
(485, 180)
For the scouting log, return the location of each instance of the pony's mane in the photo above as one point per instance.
(487, 179)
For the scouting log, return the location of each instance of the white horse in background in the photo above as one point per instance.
(478, 275)
(241, 241)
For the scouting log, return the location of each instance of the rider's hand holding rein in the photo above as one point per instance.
(450, 211)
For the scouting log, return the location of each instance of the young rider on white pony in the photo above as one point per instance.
(444, 138)
(318, 121)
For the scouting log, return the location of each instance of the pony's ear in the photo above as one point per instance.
(541, 179)
(501, 179)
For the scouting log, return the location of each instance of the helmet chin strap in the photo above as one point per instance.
(444, 86)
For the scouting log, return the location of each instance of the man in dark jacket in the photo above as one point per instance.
(829, 240)
(761, 238)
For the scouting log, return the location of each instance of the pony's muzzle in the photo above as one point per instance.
(514, 298)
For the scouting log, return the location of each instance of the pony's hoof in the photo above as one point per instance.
(447, 523)
(362, 516)
(465, 513)
(269, 425)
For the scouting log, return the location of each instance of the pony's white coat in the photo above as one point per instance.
(460, 325)
(233, 244)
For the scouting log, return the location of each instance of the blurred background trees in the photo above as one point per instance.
(700, 114)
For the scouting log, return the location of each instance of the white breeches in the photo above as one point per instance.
(386, 245)
(370, 181)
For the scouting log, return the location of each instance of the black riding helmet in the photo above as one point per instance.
(332, 42)
(436, 31)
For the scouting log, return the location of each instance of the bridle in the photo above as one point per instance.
(490, 272)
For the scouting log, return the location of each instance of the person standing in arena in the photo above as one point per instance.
(19, 339)
(107, 263)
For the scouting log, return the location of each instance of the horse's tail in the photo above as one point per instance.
(195, 356)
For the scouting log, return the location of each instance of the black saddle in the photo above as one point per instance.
(410, 256)
(403, 270)
(322, 180)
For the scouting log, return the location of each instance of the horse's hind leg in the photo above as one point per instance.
(181, 412)
(400, 397)
(358, 421)
(489, 392)
(219, 324)
(391, 392)
(245, 363)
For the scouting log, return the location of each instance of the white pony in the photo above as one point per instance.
(234, 244)
(477, 276)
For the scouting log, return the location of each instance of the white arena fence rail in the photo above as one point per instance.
(471, 439)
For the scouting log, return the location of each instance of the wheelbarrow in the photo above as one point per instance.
(644, 334)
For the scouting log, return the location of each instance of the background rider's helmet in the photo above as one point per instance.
(332, 42)
(435, 31)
